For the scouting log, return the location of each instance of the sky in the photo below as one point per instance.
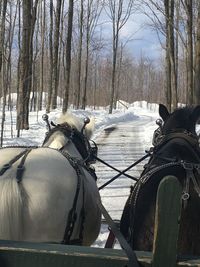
(144, 38)
(139, 36)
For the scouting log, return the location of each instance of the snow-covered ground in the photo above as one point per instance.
(35, 135)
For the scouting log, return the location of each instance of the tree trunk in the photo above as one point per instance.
(167, 58)
(68, 56)
(2, 65)
(26, 60)
(49, 100)
(88, 30)
(197, 61)
(119, 14)
(55, 55)
(80, 48)
(2, 30)
(114, 61)
(189, 50)
(177, 47)
(42, 26)
(172, 56)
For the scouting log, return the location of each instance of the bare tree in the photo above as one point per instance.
(170, 55)
(26, 58)
(55, 54)
(197, 60)
(68, 56)
(80, 48)
(3, 8)
(93, 12)
(188, 5)
(162, 17)
(49, 100)
(43, 28)
(119, 13)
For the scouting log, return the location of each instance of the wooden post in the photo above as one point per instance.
(168, 209)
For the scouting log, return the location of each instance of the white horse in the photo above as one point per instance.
(49, 194)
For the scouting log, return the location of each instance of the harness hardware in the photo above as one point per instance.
(185, 196)
(187, 165)
(72, 216)
(5, 168)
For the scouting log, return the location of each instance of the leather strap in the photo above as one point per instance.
(124, 244)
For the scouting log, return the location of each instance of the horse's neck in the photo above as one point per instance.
(59, 141)
(178, 149)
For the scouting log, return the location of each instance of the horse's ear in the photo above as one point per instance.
(163, 112)
(196, 114)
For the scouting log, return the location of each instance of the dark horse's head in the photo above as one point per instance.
(176, 137)
(175, 147)
(182, 119)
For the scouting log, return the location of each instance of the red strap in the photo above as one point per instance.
(111, 240)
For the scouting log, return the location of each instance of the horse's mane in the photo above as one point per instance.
(77, 123)
(181, 118)
(183, 112)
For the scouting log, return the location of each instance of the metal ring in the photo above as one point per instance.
(185, 196)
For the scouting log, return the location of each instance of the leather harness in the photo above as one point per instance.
(191, 169)
(78, 166)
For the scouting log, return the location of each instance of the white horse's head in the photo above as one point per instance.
(78, 123)
(72, 130)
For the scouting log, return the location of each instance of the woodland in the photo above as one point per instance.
(56, 52)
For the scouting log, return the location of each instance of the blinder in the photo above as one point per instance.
(93, 152)
(157, 135)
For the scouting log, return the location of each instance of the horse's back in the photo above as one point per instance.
(46, 191)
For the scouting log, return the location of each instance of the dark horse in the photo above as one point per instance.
(176, 152)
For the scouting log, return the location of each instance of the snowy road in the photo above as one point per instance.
(120, 145)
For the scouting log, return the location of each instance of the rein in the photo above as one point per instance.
(122, 241)
(124, 171)
(88, 154)
(72, 216)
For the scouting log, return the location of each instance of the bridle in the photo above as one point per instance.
(159, 138)
(192, 169)
(87, 149)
